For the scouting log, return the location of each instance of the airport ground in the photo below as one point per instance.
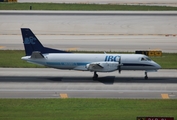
(87, 31)
(49, 83)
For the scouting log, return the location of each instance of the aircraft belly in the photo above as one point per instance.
(61, 66)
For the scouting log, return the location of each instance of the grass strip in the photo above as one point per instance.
(59, 6)
(85, 109)
(12, 58)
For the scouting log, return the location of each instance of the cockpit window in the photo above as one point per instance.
(145, 59)
(148, 58)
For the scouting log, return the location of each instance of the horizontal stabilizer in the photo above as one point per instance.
(36, 55)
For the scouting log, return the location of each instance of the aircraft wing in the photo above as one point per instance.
(95, 66)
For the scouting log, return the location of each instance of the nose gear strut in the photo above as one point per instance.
(95, 76)
(146, 77)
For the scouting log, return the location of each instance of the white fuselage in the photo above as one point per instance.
(109, 62)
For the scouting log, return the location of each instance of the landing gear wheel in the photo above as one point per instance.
(146, 77)
(95, 76)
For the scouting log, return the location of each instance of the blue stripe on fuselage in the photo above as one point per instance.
(85, 63)
(66, 63)
(135, 64)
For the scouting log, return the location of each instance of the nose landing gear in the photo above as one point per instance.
(146, 77)
(95, 76)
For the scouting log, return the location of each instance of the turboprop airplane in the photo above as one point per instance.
(38, 54)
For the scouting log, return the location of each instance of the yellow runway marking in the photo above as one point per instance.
(72, 49)
(63, 95)
(1, 47)
(165, 96)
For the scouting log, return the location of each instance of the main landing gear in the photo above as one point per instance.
(146, 77)
(95, 76)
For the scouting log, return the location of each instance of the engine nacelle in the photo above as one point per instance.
(102, 66)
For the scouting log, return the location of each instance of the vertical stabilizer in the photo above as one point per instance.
(31, 43)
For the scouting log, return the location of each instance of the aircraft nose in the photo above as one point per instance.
(157, 66)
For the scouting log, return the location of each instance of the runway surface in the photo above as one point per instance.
(88, 30)
(112, 31)
(95, 43)
(52, 83)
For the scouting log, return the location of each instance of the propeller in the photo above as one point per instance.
(119, 65)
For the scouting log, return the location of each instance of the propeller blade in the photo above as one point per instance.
(119, 65)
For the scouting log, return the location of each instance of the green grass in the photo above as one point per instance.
(57, 6)
(168, 60)
(12, 58)
(85, 109)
